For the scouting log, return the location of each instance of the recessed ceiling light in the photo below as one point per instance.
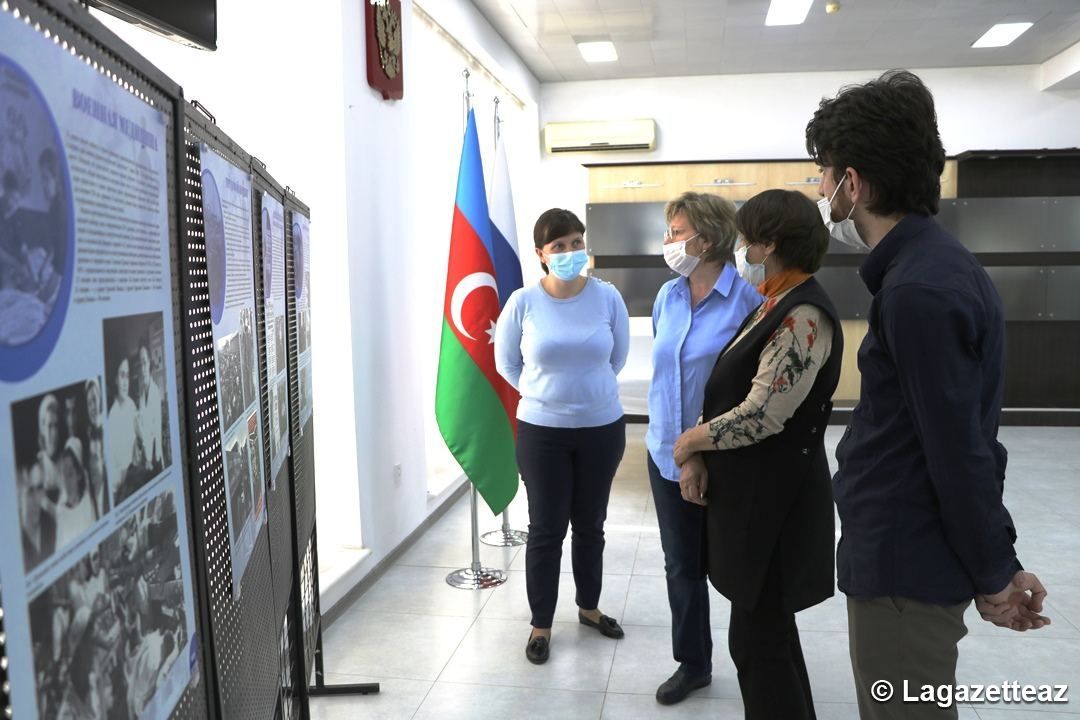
(1001, 35)
(788, 12)
(601, 51)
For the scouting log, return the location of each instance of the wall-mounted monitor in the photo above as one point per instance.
(192, 22)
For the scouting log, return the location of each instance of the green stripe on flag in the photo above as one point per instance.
(474, 425)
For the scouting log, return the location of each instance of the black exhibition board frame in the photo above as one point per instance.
(260, 642)
(308, 635)
(243, 632)
(71, 25)
(301, 468)
(280, 499)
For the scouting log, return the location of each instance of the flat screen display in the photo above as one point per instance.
(193, 22)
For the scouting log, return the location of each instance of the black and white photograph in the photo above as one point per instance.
(279, 343)
(303, 384)
(138, 415)
(236, 372)
(59, 467)
(238, 472)
(249, 365)
(303, 329)
(36, 228)
(280, 407)
(267, 254)
(106, 634)
(299, 244)
(256, 459)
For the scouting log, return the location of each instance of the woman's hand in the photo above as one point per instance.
(694, 480)
(694, 440)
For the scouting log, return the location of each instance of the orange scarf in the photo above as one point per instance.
(777, 285)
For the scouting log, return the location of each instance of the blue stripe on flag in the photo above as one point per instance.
(503, 229)
(507, 266)
(471, 199)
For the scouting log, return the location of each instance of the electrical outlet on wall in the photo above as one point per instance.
(397, 473)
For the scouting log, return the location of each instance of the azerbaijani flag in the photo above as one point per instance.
(474, 406)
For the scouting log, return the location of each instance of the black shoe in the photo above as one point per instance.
(537, 650)
(678, 686)
(607, 626)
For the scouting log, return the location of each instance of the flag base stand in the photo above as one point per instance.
(505, 538)
(481, 579)
(475, 577)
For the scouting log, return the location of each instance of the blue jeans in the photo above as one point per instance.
(682, 535)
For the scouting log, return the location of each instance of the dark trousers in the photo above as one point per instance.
(682, 536)
(567, 474)
(764, 643)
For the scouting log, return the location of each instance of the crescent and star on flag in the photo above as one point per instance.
(465, 287)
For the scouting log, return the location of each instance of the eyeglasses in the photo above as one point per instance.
(673, 233)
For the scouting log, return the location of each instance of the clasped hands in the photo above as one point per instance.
(693, 477)
(1017, 607)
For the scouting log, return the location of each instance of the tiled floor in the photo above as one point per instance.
(444, 653)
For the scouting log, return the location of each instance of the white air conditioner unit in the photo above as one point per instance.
(600, 136)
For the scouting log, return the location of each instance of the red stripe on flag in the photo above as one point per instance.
(477, 307)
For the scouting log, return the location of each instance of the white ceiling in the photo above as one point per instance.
(660, 38)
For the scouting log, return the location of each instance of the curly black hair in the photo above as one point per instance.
(887, 130)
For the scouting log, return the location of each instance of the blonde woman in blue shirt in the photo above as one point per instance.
(561, 342)
(694, 317)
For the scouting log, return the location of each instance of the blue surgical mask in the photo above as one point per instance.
(568, 265)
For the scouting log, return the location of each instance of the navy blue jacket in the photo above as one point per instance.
(921, 471)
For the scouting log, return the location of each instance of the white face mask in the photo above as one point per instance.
(753, 273)
(843, 231)
(678, 259)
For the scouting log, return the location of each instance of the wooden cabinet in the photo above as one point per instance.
(801, 176)
(948, 180)
(847, 390)
(733, 180)
(636, 183)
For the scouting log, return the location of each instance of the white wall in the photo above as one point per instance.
(287, 109)
(764, 116)
(379, 177)
(402, 162)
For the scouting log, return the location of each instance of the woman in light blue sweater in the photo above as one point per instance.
(561, 343)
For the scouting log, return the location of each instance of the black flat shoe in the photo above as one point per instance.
(678, 686)
(607, 626)
(537, 650)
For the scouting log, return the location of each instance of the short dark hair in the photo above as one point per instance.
(554, 224)
(713, 217)
(789, 220)
(887, 130)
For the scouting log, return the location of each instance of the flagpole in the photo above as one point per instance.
(474, 577)
(504, 536)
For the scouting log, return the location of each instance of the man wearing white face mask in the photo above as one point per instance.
(921, 473)
(842, 231)
(694, 317)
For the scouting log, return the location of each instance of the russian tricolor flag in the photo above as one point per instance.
(503, 228)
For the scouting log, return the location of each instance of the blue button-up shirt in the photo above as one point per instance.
(686, 343)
